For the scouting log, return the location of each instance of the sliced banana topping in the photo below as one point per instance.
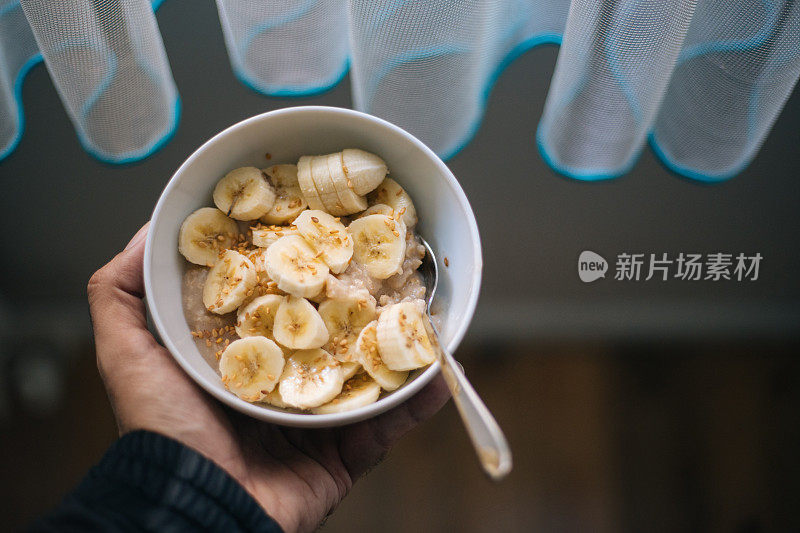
(293, 264)
(377, 209)
(345, 318)
(369, 356)
(204, 234)
(337, 353)
(265, 236)
(327, 187)
(274, 399)
(379, 244)
(403, 340)
(306, 183)
(257, 317)
(328, 236)
(310, 378)
(324, 184)
(350, 369)
(244, 194)
(349, 200)
(392, 194)
(229, 282)
(356, 392)
(289, 200)
(298, 325)
(251, 367)
(363, 170)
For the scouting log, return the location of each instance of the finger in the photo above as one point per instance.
(115, 292)
(365, 444)
(423, 405)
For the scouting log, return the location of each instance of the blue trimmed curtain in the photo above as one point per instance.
(701, 81)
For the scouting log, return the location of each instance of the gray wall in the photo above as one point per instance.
(64, 214)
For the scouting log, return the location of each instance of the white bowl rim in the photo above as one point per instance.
(386, 403)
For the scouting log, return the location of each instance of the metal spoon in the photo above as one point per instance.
(487, 437)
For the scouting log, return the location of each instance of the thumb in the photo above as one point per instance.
(115, 292)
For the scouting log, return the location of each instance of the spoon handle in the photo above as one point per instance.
(487, 437)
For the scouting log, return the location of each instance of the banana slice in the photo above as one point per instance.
(350, 201)
(377, 209)
(323, 180)
(244, 194)
(264, 236)
(350, 370)
(251, 367)
(379, 244)
(289, 200)
(310, 378)
(229, 282)
(298, 325)
(392, 194)
(344, 319)
(306, 183)
(328, 237)
(258, 317)
(364, 171)
(293, 265)
(356, 392)
(274, 399)
(204, 233)
(403, 341)
(368, 355)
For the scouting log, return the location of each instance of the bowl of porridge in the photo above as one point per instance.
(281, 267)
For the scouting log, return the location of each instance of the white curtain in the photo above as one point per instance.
(702, 80)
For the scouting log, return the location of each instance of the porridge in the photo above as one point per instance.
(302, 284)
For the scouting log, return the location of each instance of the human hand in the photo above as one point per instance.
(297, 475)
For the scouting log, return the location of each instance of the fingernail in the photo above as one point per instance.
(139, 237)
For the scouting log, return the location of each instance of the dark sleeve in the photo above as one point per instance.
(148, 482)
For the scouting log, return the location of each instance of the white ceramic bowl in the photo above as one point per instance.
(446, 221)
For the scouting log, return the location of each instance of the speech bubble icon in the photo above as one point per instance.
(591, 266)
